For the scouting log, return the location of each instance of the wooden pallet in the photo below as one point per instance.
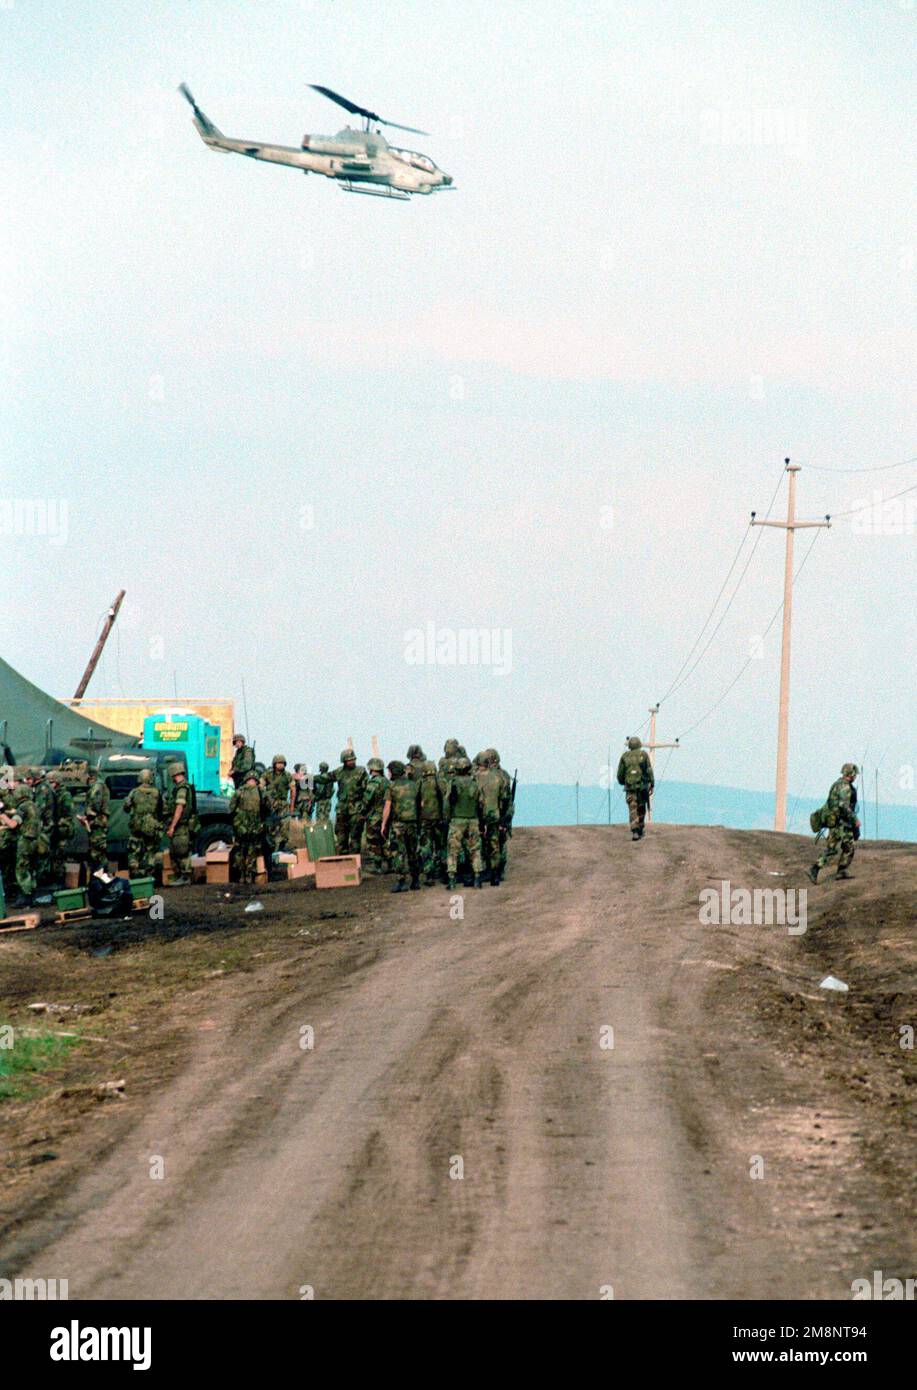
(26, 921)
(73, 914)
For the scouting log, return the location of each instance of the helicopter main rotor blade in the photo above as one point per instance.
(356, 110)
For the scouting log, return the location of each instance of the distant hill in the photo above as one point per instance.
(694, 803)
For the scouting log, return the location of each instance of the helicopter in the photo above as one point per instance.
(360, 161)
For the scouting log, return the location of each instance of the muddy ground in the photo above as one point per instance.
(460, 1126)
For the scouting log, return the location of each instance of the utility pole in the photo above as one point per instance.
(791, 525)
(97, 649)
(651, 749)
(577, 802)
(608, 776)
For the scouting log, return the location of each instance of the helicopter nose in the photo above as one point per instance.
(447, 178)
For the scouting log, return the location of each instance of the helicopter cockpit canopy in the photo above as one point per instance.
(417, 161)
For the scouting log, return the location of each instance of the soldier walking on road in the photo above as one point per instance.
(838, 816)
(402, 815)
(351, 784)
(494, 807)
(635, 775)
(183, 824)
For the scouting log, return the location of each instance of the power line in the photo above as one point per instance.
(870, 468)
(678, 683)
(852, 510)
(750, 659)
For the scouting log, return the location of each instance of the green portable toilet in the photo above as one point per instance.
(178, 730)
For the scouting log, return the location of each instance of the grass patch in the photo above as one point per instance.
(21, 1055)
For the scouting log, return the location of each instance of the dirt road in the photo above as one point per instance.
(461, 1127)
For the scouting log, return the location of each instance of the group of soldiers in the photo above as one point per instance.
(38, 819)
(439, 822)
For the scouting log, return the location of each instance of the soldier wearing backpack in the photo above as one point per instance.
(432, 824)
(635, 775)
(838, 816)
(144, 806)
(248, 813)
(402, 814)
(493, 785)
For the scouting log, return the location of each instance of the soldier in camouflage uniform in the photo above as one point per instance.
(351, 784)
(375, 794)
(452, 749)
(432, 824)
(9, 826)
(43, 797)
(402, 818)
(323, 789)
(304, 803)
(243, 760)
(28, 838)
(64, 825)
(416, 759)
(506, 815)
(246, 811)
(95, 819)
(493, 785)
(635, 775)
(463, 810)
(144, 806)
(181, 810)
(276, 784)
(840, 818)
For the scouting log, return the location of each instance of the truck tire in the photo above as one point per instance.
(212, 834)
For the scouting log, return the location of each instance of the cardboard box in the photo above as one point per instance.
(216, 863)
(73, 875)
(283, 857)
(337, 871)
(260, 870)
(123, 873)
(198, 868)
(302, 866)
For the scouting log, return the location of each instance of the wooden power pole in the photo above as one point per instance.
(791, 525)
(651, 749)
(97, 649)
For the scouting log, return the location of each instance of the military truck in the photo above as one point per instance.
(121, 772)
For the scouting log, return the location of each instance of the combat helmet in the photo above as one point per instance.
(396, 768)
(493, 756)
(415, 751)
(145, 776)
(323, 767)
(463, 764)
(634, 742)
(850, 770)
(348, 756)
(278, 758)
(428, 769)
(375, 765)
(451, 747)
(461, 751)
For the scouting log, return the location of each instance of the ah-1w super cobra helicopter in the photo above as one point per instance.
(361, 161)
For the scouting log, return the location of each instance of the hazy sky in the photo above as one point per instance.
(297, 425)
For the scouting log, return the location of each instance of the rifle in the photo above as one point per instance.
(512, 804)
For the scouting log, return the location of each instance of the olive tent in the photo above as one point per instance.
(33, 723)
